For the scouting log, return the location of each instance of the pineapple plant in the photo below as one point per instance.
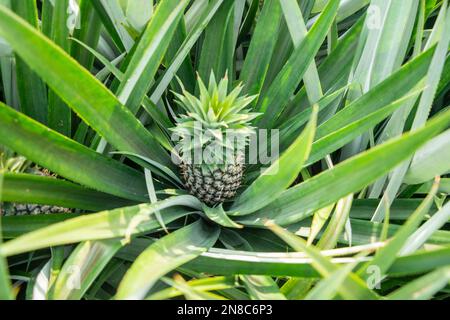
(117, 99)
(216, 126)
(18, 164)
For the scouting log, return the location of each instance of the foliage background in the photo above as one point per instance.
(359, 90)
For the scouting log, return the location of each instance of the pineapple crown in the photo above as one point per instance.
(216, 108)
(215, 114)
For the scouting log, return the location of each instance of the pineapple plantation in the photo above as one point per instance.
(224, 149)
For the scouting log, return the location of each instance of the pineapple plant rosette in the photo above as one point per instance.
(360, 182)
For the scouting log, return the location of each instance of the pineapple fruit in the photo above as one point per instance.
(19, 164)
(217, 127)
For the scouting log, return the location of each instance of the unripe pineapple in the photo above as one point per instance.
(19, 164)
(214, 133)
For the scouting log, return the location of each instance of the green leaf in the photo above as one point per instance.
(82, 267)
(184, 49)
(139, 12)
(337, 223)
(109, 65)
(152, 196)
(422, 234)
(218, 45)
(56, 263)
(149, 52)
(353, 287)
(284, 85)
(346, 8)
(393, 88)
(123, 222)
(400, 209)
(426, 100)
(346, 133)
(262, 288)
(386, 255)
(348, 177)
(364, 232)
(279, 176)
(59, 114)
(333, 71)
(88, 33)
(65, 157)
(320, 217)
(28, 188)
(424, 287)
(157, 166)
(15, 226)
(219, 216)
(189, 292)
(289, 130)
(431, 160)
(294, 264)
(46, 17)
(327, 288)
(206, 284)
(298, 31)
(32, 91)
(81, 91)
(165, 255)
(115, 23)
(393, 41)
(5, 284)
(261, 47)
(183, 65)
(420, 262)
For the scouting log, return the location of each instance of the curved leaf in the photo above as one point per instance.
(219, 216)
(82, 267)
(348, 177)
(284, 85)
(149, 52)
(123, 222)
(424, 287)
(165, 255)
(65, 157)
(431, 160)
(28, 188)
(229, 262)
(95, 104)
(279, 176)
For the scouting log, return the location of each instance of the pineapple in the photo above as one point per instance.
(18, 164)
(213, 132)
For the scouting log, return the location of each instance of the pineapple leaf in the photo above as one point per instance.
(88, 97)
(30, 188)
(165, 255)
(127, 221)
(347, 177)
(89, 258)
(354, 287)
(219, 216)
(296, 264)
(274, 100)
(64, 156)
(386, 255)
(273, 181)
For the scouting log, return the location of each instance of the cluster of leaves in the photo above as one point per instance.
(358, 89)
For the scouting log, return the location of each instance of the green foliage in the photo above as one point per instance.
(355, 206)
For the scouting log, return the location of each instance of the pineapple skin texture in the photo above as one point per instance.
(212, 187)
(31, 209)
